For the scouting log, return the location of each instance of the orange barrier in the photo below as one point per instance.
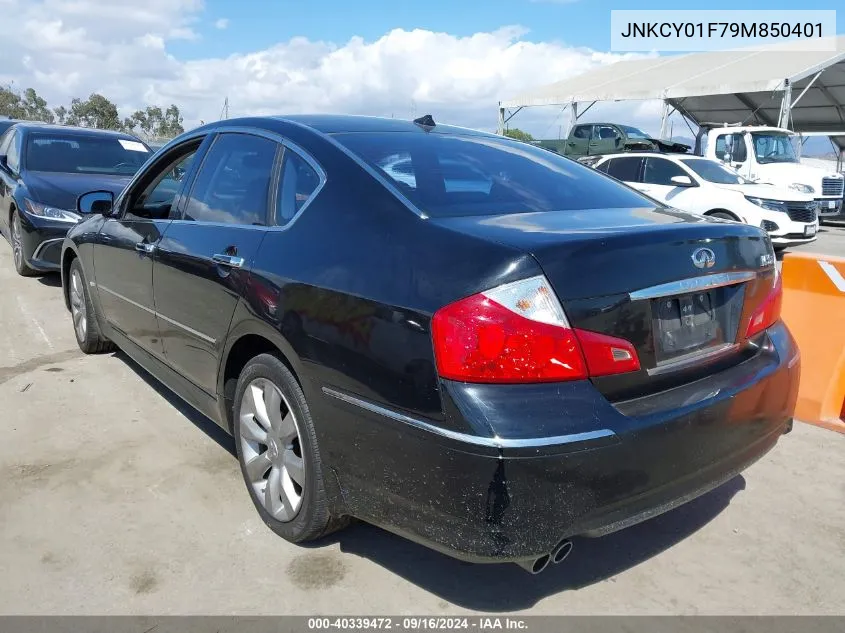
(814, 311)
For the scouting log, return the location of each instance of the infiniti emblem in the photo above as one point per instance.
(703, 258)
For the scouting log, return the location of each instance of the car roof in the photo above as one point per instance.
(669, 155)
(71, 130)
(343, 123)
(609, 123)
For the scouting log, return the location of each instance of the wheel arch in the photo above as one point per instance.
(726, 211)
(244, 342)
(68, 255)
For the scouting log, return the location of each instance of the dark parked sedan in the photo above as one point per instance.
(43, 169)
(489, 370)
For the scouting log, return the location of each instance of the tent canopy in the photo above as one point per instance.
(722, 87)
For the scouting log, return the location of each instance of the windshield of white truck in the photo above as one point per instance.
(773, 148)
(714, 172)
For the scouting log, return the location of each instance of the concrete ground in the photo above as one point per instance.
(115, 498)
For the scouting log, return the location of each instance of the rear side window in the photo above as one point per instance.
(452, 175)
(603, 167)
(659, 171)
(626, 169)
(298, 183)
(233, 184)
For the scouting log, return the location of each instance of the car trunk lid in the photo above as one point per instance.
(681, 288)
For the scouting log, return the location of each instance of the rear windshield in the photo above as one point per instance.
(82, 153)
(450, 175)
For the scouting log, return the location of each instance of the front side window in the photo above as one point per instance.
(481, 175)
(733, 144)
(626, 169)
(5, 140)
(582, 131)
(297, 184)
(604, 133)
(156, 194)
(84, 154)
(233, 184)
(659, 171)
(13, 155)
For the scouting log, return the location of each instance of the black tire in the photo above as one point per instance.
(724, 215)
(89, 338)
(17, 247)
(313, 519)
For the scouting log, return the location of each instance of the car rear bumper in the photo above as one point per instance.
(559, 460)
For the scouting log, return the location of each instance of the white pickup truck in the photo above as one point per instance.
(767, 155)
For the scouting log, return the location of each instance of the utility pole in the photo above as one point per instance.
(225, 113)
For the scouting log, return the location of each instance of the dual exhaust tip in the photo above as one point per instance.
(557, 555)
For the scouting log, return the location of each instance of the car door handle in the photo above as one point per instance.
(228, 260)
(145, 247)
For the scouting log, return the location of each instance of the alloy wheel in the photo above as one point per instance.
(77, 305)
(271, 449)
(17, 243)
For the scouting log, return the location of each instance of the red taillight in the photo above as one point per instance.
(607, 354)
(768, 312)
(518, 333)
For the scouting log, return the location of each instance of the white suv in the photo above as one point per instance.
(704, 186)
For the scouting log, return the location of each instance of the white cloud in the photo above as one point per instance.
(222, 23)
(70, 48)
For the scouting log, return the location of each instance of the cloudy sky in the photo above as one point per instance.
(453, 58)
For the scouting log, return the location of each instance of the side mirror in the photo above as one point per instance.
(682, 181)
(726, 158)
(95, 202)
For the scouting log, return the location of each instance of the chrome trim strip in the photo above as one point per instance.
(182, 326)
(190, 330)
(794, 360)
(693, 359)
(126, 299)
(490, 442)
(37, 253)
(693, 284)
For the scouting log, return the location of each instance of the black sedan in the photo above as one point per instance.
(488, 360)
(43, 169)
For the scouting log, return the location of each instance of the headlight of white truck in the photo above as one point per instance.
(797, 186)
(771, 205)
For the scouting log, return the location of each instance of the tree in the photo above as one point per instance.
(28, 106)
(96, 111)
(519, 135)
(153, 123)
(10, 103)
(35, 108)
(61, 114)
